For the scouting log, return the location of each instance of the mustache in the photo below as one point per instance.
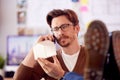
(62, 37)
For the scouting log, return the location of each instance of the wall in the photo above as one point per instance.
(8, 27)
(86, 9)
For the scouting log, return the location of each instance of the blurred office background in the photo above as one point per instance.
(22, 21)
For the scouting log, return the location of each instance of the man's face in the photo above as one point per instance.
(64, 31)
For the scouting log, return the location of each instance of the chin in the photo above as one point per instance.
(64, 45)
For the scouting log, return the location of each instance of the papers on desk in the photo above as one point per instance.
(44, 49)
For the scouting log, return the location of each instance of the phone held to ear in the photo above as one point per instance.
(54, 40)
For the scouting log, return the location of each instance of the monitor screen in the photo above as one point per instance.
(18, 47)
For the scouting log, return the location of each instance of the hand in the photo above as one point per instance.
(46, 37)
(52, 69)
(29, 59)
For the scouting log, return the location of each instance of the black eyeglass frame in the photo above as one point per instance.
(63, 27)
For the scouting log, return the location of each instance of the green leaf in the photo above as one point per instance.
(2, 62)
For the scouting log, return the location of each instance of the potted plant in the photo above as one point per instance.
(2, 63)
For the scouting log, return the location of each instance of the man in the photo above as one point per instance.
(97, 44)
(64, 25)
(103, 56)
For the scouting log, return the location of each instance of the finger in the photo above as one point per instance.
(45, 69)
(56, 61)
(41, 62)
(49, 65)
(40, 38)
(44, 62)
(43, 65)
(49, 37)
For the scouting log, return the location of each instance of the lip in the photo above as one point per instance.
(62, 40)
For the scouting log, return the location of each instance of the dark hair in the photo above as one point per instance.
(70, 15)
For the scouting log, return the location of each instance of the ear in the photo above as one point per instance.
(77, 28)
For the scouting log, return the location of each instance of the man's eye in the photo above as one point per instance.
(56, 28)
(64, 26)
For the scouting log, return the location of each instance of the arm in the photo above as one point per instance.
(24, 71)
(28, 70)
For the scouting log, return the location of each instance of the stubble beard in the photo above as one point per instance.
(63, 43)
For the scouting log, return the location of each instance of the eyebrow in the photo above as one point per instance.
(62, 24)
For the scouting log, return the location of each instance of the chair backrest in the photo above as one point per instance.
(111, 71)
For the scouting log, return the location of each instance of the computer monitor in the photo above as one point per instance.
(18, 47)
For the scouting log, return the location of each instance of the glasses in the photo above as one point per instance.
(63, 27)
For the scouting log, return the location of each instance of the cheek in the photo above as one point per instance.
(72, 32)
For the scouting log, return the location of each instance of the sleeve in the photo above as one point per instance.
(72, 76)
(23, 73)
(27, 73)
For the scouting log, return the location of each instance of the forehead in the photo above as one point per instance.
(59, 21)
